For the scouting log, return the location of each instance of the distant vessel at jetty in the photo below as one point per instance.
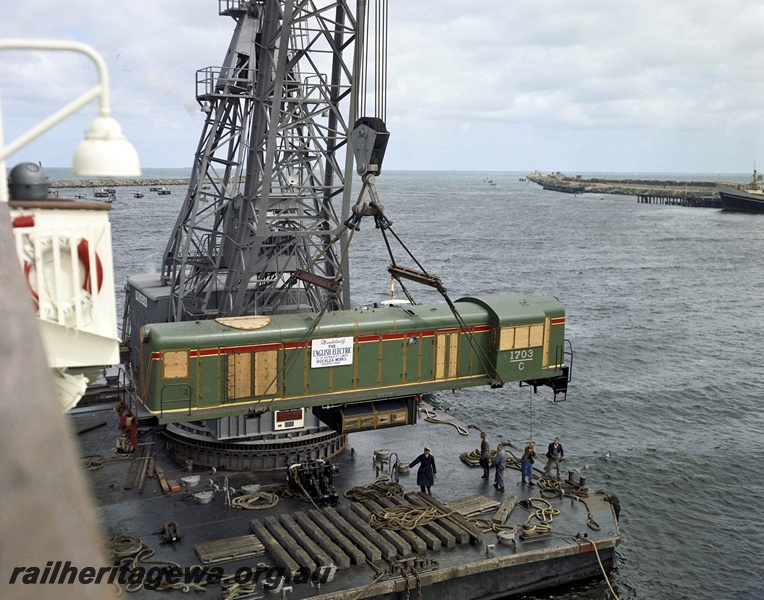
(742, 198)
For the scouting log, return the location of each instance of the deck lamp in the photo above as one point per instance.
(105, 151)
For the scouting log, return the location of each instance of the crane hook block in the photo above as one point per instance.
(369, 138)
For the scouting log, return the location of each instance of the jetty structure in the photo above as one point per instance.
(648, 191)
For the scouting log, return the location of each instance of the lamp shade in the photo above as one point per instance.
(105, 152)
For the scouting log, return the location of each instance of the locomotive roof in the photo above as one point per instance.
(500, 309)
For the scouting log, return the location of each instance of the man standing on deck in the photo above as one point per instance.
(499, 462)
(425, 476)
(555, 454)
(485, 454)
(526, 463)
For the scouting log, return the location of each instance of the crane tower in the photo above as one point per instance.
(268, 194)
(271, 164)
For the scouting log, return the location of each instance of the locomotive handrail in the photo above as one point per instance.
(569, 354)
(563, 351)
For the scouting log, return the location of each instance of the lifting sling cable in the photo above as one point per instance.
(287, 367)
(485, 362)
(293, 278)
(384, 224)
(380, 59)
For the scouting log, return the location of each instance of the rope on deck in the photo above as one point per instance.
(403, 516)
(381, 487)
(255, 501)
(431, 417)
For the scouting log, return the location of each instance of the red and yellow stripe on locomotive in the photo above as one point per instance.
(214, 368)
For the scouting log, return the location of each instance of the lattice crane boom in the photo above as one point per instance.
(271, 166)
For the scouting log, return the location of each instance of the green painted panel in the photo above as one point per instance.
(318, 380)
(413, 346)
(514, 365)
(292, 372)
(343, 378)
(208, 373)
(392, 362)
(427, 353)
(368, 364)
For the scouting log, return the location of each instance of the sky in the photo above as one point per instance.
(486, 85)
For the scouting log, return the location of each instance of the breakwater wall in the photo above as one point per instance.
(107, 183)
(652, 191)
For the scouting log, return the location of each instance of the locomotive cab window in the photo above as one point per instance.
(175, 364)
(524, 336)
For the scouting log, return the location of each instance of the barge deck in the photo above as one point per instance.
(297, 549)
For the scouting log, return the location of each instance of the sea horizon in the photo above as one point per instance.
(65, 173)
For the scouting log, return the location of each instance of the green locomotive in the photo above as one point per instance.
(243, 365)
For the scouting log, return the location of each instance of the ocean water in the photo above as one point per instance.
(664, 312)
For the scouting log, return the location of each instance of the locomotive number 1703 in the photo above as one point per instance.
(517, 355)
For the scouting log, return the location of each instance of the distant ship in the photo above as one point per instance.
(745, 198)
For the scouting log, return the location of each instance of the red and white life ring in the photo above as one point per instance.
(83, 255)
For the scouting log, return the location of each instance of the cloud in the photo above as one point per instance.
(492, 76)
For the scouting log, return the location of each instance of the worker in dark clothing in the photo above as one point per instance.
(485, 454)
(499, 463)
(554, 454)
(526, 463)
(425, 477)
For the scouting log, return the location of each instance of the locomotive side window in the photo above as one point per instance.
(251, 374)
(446, 355)
(266, 363)
(175, 364)
(239, 376)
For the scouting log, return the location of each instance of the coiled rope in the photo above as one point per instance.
(255, 501)
(92, 462)
(403, 516)
(129, 551)
(552, 488)
(235, 589)
(473, 458)
(381, 487)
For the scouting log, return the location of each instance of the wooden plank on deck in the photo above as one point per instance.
(389, 550)
(162, 481)
(243, 546)
(314, 532)
(371, 551)
(289, 543)
(433, 541)
(403, 547)
(280, 556)
(448, 539)
(348, 547)
(320, 557)
(455, 517)
(417, 544)
(471, 506)
(132, 473)
(506, 507)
